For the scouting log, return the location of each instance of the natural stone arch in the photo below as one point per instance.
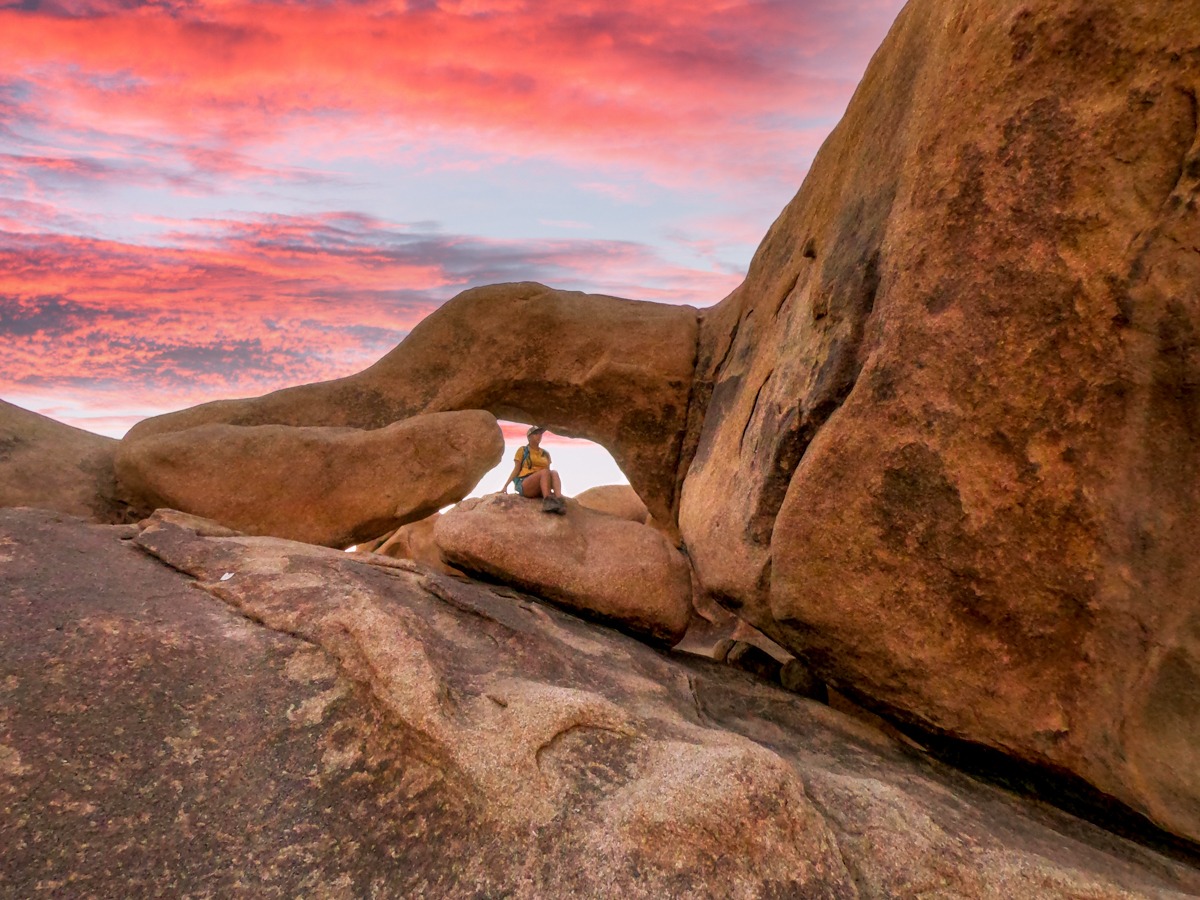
(617, 372)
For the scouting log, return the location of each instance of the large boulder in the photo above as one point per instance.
(608, 568)
(618, 372)
(399, 733)
(619, 500)
(959, 395)
(331, 486)
(47, 464)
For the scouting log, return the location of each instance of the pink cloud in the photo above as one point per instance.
(677, 87)
(192, 98)
(233, 307)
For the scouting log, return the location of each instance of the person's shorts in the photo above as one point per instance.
(517, 482)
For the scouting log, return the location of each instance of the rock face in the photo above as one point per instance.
(590, 562)
(331, 486)
(46, 464)
(619, 500)
(618, 372)
(959, 392)
(400, 734)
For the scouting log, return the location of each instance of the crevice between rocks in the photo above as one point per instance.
(1194, 109)
(1057, 788)
(685, 436)
(753, 411)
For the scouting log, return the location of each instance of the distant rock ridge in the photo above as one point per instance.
(47, 464)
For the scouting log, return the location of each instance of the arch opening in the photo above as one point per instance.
(581, 463)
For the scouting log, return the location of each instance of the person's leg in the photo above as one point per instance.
(533, 485)
(555, 483)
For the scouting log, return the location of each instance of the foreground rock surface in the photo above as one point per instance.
(618, 372)
(331, 726)
(50, 465)
(959, 395)
(330, 486)
(594, 563)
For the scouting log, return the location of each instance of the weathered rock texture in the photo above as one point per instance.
(616, 371)
(319, 724)
(619, 500)
(609, 568)
(331, 486)
(958, 395)
(50, 465)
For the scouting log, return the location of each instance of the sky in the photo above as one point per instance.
(202, 199)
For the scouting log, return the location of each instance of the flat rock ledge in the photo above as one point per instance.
(190, 712)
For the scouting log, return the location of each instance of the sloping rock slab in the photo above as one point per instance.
(315, 725)
(50, 465)
(330, 486)
(593, 563)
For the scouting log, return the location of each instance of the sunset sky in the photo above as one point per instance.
(213, 198)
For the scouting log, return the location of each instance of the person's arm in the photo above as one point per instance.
(515, 472)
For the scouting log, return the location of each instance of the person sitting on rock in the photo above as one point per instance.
(532, 476)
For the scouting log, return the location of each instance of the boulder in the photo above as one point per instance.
(331, 486)
(416, 541)
(618, 372)
(619, 500)
(959, 394)
(608, 568)
(187, 711)
(47, 464)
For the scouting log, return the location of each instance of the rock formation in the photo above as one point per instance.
(959, 393)
(331, 486)
(46, 464)
(942, 443)
(619, 500)
(593, 563)
(618, 372)
(399, 734)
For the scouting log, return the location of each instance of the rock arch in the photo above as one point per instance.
(617, 372)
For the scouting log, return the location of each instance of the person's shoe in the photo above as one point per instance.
(548, 505)
(560, 505)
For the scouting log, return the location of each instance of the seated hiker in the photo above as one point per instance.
(532, 476)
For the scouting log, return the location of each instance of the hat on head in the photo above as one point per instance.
(534, 429)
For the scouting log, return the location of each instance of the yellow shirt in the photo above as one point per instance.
(538, 459)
